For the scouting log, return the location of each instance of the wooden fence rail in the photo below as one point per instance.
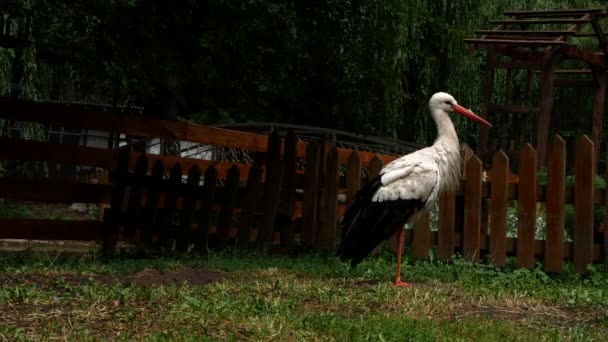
(159, 201)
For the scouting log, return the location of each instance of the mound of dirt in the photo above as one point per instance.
(146, 278)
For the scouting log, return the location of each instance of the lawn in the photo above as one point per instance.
(316, 298)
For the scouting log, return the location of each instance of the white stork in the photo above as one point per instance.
(406, 186)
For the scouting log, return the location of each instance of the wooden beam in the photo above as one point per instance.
(54, 191)
(487, 91)
(546, 106)
(516, 64)
(573, 52)
(597, 118)
(41, 229)
(540, 13)
(573, 83)
(540, 21)
(527, 43)
(526, 32)
(600, 36)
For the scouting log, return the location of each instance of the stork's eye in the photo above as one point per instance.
(448, 102)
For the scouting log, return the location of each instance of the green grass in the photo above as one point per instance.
(301, 299)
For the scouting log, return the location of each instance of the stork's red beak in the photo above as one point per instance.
(467, 113)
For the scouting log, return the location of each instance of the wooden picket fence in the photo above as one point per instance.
(272, 206)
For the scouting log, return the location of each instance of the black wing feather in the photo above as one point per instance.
(366, 224)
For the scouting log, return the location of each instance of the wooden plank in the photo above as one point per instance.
(544, 12)
(207, 196)
(252, 198)
(527, 43)
(228, 204)
(328, 233)
(287, 204)
(44, 190)
(353, 177)
(150, 219)
(42, 229)
(583, 204)
(135, 196)
(272, 191)
(15, 149)
(373, 170)
(112, 221)
(447, 226)
(498, 211)
(554, 33)
(182, 239)
(311, 193)
(422, 235)
(487, 91)
(170, 218)
(598, 112)
(556, 172)
(526, 220)
(472, 209)
(540, 21)
(546, 106)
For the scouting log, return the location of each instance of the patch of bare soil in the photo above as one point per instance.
(146, 278)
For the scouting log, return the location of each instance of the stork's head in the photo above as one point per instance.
(446, 103)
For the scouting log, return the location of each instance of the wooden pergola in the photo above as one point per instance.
(538, 42)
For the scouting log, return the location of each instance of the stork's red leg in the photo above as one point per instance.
(398, 281)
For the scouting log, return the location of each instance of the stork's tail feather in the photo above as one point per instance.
(366, 224)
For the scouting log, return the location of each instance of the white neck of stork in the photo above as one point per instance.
(447, 145)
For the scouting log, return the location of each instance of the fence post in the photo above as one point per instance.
(311, 195)
(373, 170)
(141, 167)
(422, 235)
(185, 229)
(329, 231)
(166, 233)
(150, 224)
(230, 190)
(526, 220)
(272, 191)
(254, 190)
(583, 205)
(447, 225)
(472, 209)
(112, 219)
(288, 194)
(498, 215)
(206, 208)
(556, 200)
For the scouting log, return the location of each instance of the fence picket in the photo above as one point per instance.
(112, 221)
(353, 177)
(328, 233)
(554, 241)
(137, 183)
(224, 221)
(184, 231)
(206, 207)
(422, 235)
(252, 197)
(288, 192)
(167, 232)
(583, 205)
(373, 170)
(150, 223)
(311, 193)
(447, 225)
(526, 219)
(472, 209)
(498, 215)
(272, 191)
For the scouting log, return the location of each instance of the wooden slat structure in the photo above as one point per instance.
(540, 40)
(158, 201)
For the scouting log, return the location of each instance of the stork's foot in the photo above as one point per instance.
(399, 283)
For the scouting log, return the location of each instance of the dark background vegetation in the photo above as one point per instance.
(363, 66)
